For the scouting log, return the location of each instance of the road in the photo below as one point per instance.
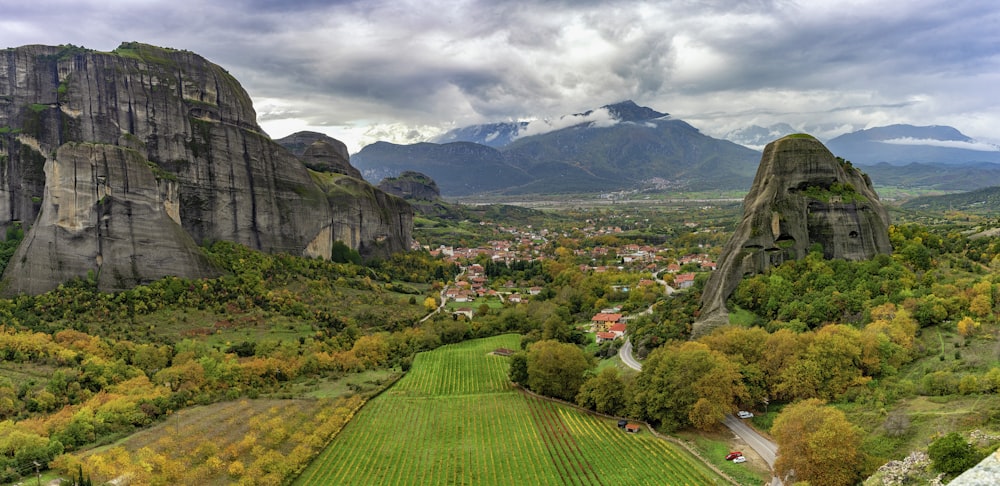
(765, 448)
(443, 299)
(625, 353)
(667, 289)
(768, 450)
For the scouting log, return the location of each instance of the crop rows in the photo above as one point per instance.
(447, 370)
(633, 458)
(454, 419)
(562, 447)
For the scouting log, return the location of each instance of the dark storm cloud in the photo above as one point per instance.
(404, 67)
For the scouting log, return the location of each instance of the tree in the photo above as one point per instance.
(967, 326)
(430, 304)
(557, 369)
(605, 393)
(341, 253)
(818, 444)
(519, 368)
(952, 454)
(687, 384)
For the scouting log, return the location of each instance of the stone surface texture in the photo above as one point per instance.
(986, 473)
(320, 152)
(411, 185)
(801, 196)
(119, 164)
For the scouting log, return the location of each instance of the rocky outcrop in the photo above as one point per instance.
(801, 196)
(367, 219)
(105, 216)
(121, 163)
(320, 153)
(411, 185)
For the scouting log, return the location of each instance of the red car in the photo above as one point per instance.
(733, 455)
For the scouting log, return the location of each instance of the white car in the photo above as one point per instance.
(739, 460)
(743, 414)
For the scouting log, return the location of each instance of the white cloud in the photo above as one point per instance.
(960, 144)
(600, 117)
(355, 65)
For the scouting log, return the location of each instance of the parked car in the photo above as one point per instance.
(733, 455)
(739, 460)
(743, 414)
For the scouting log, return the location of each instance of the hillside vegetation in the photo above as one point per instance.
(985, 201)
(83, 368)
(898, 351)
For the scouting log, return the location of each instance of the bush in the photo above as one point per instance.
(951, 454)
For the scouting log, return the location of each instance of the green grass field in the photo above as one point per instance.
(456, 419)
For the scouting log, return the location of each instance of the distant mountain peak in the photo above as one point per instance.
(930, 132)
(628, 111)
(904, 144)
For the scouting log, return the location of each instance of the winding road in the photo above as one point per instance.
(761, 445)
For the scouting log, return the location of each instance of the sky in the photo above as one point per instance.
(405, 71)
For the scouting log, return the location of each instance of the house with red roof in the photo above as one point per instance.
(618, 329)
(684, 280)
(602, 321)
(603, 336)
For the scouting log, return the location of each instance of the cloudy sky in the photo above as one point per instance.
(406, 70)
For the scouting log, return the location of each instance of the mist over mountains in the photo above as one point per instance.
(624, 146)
(906, 144)
(621, 146)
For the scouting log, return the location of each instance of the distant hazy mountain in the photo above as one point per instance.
(756, 136)
(984, 200)
(619, 146)
(945, 177)
(460, 168)
(497, 135)
(905, 144)
(491, 134)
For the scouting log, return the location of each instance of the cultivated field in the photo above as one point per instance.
(455, 419)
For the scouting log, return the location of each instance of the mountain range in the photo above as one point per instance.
(908, 144)
(622, 146)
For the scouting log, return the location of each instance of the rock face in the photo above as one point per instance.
(411, 185)
(119, 164)
(320, 152)
(365, 218)
(801, 196)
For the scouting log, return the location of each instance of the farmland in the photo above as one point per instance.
(456, 419)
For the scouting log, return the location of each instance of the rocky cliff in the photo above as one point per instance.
(411, 185)
(801, 196)
(121, 163)
(320, 152)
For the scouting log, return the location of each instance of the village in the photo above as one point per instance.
(634, 266)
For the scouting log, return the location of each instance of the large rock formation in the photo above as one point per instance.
(411, 185)
(121, 163)
(320, 152)
(801, 196)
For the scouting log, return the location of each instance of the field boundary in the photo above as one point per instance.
(302, 468)
(652, 431)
